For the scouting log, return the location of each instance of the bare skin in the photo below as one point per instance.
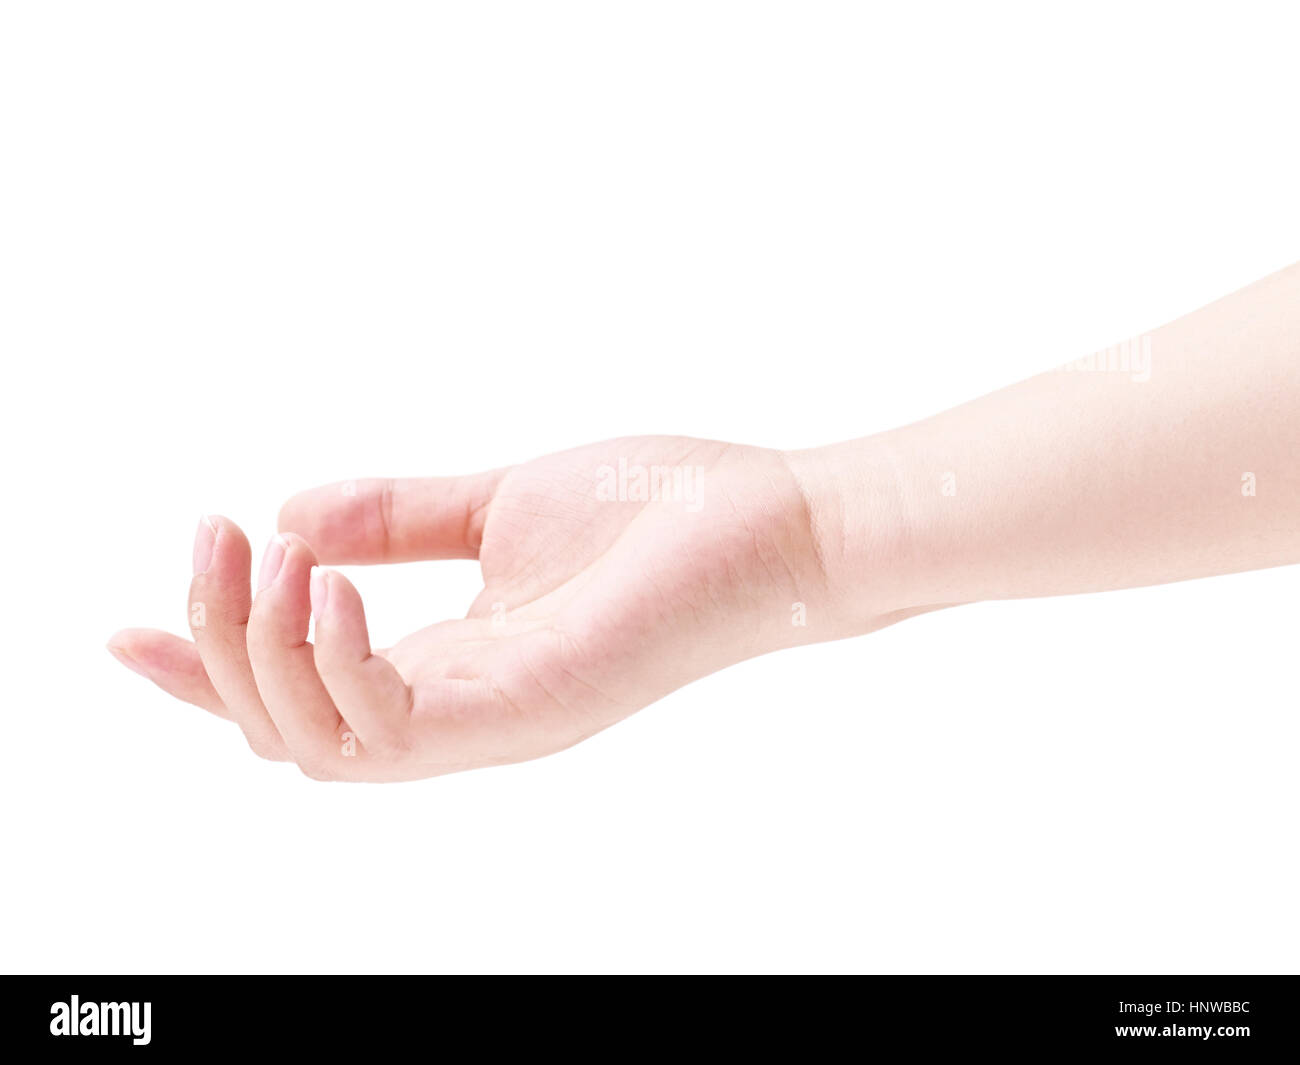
(598, 601)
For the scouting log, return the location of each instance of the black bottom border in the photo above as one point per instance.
(1126, 1016)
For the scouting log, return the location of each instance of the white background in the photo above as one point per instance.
(246, 248)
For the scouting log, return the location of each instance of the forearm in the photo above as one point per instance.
(1082, 479)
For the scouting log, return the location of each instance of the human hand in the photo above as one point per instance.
(603, 591)
(613, 574)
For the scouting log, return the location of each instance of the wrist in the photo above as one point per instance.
(859, 526)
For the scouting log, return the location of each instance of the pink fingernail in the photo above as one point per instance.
(272, 561)
(319, 591)
(204, 541)
(127, 660)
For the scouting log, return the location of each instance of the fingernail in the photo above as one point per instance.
(319, 591)
(204, 540)
(127, 660)
(272, 561)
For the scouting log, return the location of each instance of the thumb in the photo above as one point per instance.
(393, 519)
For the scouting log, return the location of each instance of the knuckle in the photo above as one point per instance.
(209, 613)
(383, 497)
(256, 637)
(389, 745)
(263, 747)
(316, 768)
